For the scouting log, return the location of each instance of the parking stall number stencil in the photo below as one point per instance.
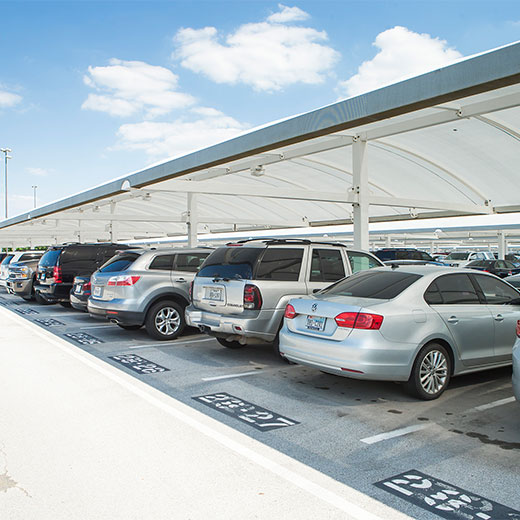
(83, 338)
(444, 499)
(139, 364)
(256, 416)
(27, 311)
(48, 322)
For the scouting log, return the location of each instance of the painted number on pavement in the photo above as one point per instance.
(139, 364)
(83, 338)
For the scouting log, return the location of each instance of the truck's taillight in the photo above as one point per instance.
(361, 320)
(252, 297)
(56, 274)
(290, 313)
(122, 280)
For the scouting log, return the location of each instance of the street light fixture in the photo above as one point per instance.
(34, 195)
(6, 151)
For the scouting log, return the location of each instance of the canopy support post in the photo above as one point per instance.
(360, 188)
(502, 247)
(192, 220)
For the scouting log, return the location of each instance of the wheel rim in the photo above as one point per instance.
(167, 321)
(433, 372)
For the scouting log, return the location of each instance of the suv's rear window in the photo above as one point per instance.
(50, 258)
(231, 262)
(119, 262)
(383, 285)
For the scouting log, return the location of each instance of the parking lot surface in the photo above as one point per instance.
(455, 457)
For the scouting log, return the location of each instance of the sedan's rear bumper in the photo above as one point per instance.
(516, 371)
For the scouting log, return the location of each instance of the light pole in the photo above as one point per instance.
(6, 151)
(34, 195)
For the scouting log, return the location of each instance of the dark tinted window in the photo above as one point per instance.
(162, 263)
(432, 296)
(280, 264)
(50, 258)
(7, 259)
(509, 265)
(29, 256)
(383, 285)
(425, 256)
(231, 262)
(119, 263)
(480, 263)
(190, 262)
(76, 254)
(496, 291)
(327, 265)
(457, 289)
(361, 261)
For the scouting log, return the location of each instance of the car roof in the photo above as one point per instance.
(425, 270)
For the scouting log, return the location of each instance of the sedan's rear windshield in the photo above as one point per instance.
(7, 259)
(457, 256)
(50, 258)
(231, 262)
(119, 262)
(382, 285)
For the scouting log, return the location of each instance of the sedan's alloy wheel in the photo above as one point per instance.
(433, 372)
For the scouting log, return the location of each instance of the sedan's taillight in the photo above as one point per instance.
(87, 287)
(252, 297)
(290, 313)
(361, 320)
(518, 329)
(123, 280)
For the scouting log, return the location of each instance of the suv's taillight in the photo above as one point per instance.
(123, 280)
(361, 320)
(252, 297)
(290, 313)
(56, 273)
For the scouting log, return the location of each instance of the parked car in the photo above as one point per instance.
(150, 288)
(389, 254)
(419, 325)
(61, 264)
(514, 280)
(240, 292)
(500, 268)
(15, 256)
(21, 277)
(439, 257)
(80, 292)
(516, 364)
(513, 258)
(463, 258)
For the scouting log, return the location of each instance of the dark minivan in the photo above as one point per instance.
(61, 264)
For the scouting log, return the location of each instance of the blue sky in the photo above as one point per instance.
(90, 91)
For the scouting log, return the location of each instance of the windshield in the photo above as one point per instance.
(50, 258)
(457, 256)
(383, 285)
(7, 259)
(119, 262)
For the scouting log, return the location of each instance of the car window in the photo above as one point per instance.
(457, 289)
(361, 261)
(509, 265)
(7, 259)
(50, 258)
(326, 265)
(425, 256)
(234, 262)
(501, 264)
(432, 296)
(282, 264)
(29, 256)
(119, 262)
(496, 291)
(383, 285)
(189, 262)
(162, 263)
(457, 256)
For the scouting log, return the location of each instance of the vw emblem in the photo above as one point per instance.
(314, 307)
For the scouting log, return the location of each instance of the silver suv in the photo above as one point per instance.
(146, 287)
(240, 293)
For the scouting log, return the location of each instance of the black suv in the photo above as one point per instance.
(60, 264)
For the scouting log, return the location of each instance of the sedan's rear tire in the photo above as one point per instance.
(430, 373)
(165, 320)
(229, 344)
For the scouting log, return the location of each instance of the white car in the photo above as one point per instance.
(15, 256)
(463, 258)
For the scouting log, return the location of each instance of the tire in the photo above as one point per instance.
(67, 305)
(41, 300)
(165, 320)
(27, 298)
(229, 344)
(129, 327)
(434, 362)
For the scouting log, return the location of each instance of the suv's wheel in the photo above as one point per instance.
(165, 320)
(430, 373)
(129, 327)
(229, 344)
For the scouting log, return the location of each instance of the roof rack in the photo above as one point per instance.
(272, 241)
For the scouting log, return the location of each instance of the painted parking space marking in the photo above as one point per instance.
(139, 364)
(444, 499)
(252, 414)
(48, 322)
(494, 404)
(395, 433)
(231, 376)
(83, 338)
(27, 311)
(170, 343)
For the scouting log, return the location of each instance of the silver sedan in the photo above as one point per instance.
(419, 325)
(516, 365)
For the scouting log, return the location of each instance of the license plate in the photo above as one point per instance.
(78, 289)
(42, 276)
(97, 291)
(214, 293)
(316, 323)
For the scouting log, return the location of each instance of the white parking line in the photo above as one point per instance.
(170, 343)
(500, 402)
(231, 376)
(395, 433)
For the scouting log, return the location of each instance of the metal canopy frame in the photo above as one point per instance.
(445, 143)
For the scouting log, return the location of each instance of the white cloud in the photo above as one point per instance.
(287, 14)
(402, 54)
(267, 56)
(39, 172)
(8, 99)
(175, 138)
(126, 88)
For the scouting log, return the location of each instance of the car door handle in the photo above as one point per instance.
(453, 319)
(179, 280)
(499, 317)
